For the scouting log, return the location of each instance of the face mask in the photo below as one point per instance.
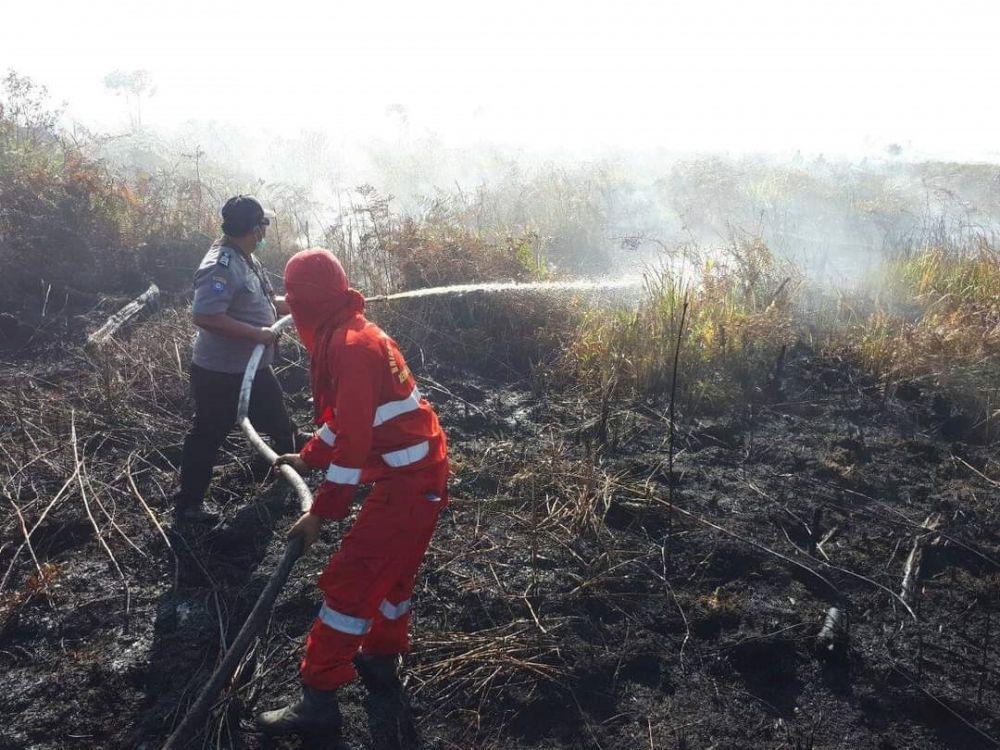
(261, 245)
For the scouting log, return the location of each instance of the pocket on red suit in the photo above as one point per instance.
(427, 496)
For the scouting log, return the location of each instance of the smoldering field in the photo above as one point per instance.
(659, 498)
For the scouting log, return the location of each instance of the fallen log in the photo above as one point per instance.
(121, 318)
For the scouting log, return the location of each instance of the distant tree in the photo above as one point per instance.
(894, 149)
(24, 109)
(133, 85)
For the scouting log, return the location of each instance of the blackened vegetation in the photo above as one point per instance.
(564, 602)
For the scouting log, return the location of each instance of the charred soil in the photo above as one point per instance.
(576, 594)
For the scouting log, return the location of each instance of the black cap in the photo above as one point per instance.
(241, 214)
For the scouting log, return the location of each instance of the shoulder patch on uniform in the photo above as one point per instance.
(224, 258)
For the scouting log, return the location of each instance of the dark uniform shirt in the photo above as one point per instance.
(228, 282)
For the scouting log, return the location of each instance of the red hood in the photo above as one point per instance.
(318, 295)
(321, 301)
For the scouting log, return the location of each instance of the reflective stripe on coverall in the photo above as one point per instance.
(368, 583)
(374, 427)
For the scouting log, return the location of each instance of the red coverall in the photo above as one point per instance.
(374, 427)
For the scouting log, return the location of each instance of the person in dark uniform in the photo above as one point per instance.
(234, 308)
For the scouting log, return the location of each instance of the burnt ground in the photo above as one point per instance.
(563, 604)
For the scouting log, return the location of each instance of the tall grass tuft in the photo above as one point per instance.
(739, 317)
(938, 320)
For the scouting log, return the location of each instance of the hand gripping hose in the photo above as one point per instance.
(258, 617)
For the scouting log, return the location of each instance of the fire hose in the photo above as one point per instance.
(261, 611)
(258, 616)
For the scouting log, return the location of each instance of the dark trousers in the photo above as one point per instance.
(216, 398)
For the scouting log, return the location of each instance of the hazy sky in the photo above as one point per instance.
(844, 77)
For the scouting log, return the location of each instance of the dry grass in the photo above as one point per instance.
(128, 405)
(474, 667)
(739, 317)
(564, 497)
(937, 320)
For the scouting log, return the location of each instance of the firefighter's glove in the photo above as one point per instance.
(307, 527)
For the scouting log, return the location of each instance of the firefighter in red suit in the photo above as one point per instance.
(374, 427)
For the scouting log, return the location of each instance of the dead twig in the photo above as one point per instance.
(58, 496)
(27, 535)
(483, 661)
(917, 684)
(826, 538)
(78, 472)
(904, 521)
(745, 540)
(107, 515)
(911, 571)
(670, 449)
(677, 603)
(976, 471)
(145, 505)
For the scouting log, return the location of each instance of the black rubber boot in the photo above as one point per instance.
(316, 713)
(193, 513)
(379, 672)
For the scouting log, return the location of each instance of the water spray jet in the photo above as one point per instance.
(578, 285)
